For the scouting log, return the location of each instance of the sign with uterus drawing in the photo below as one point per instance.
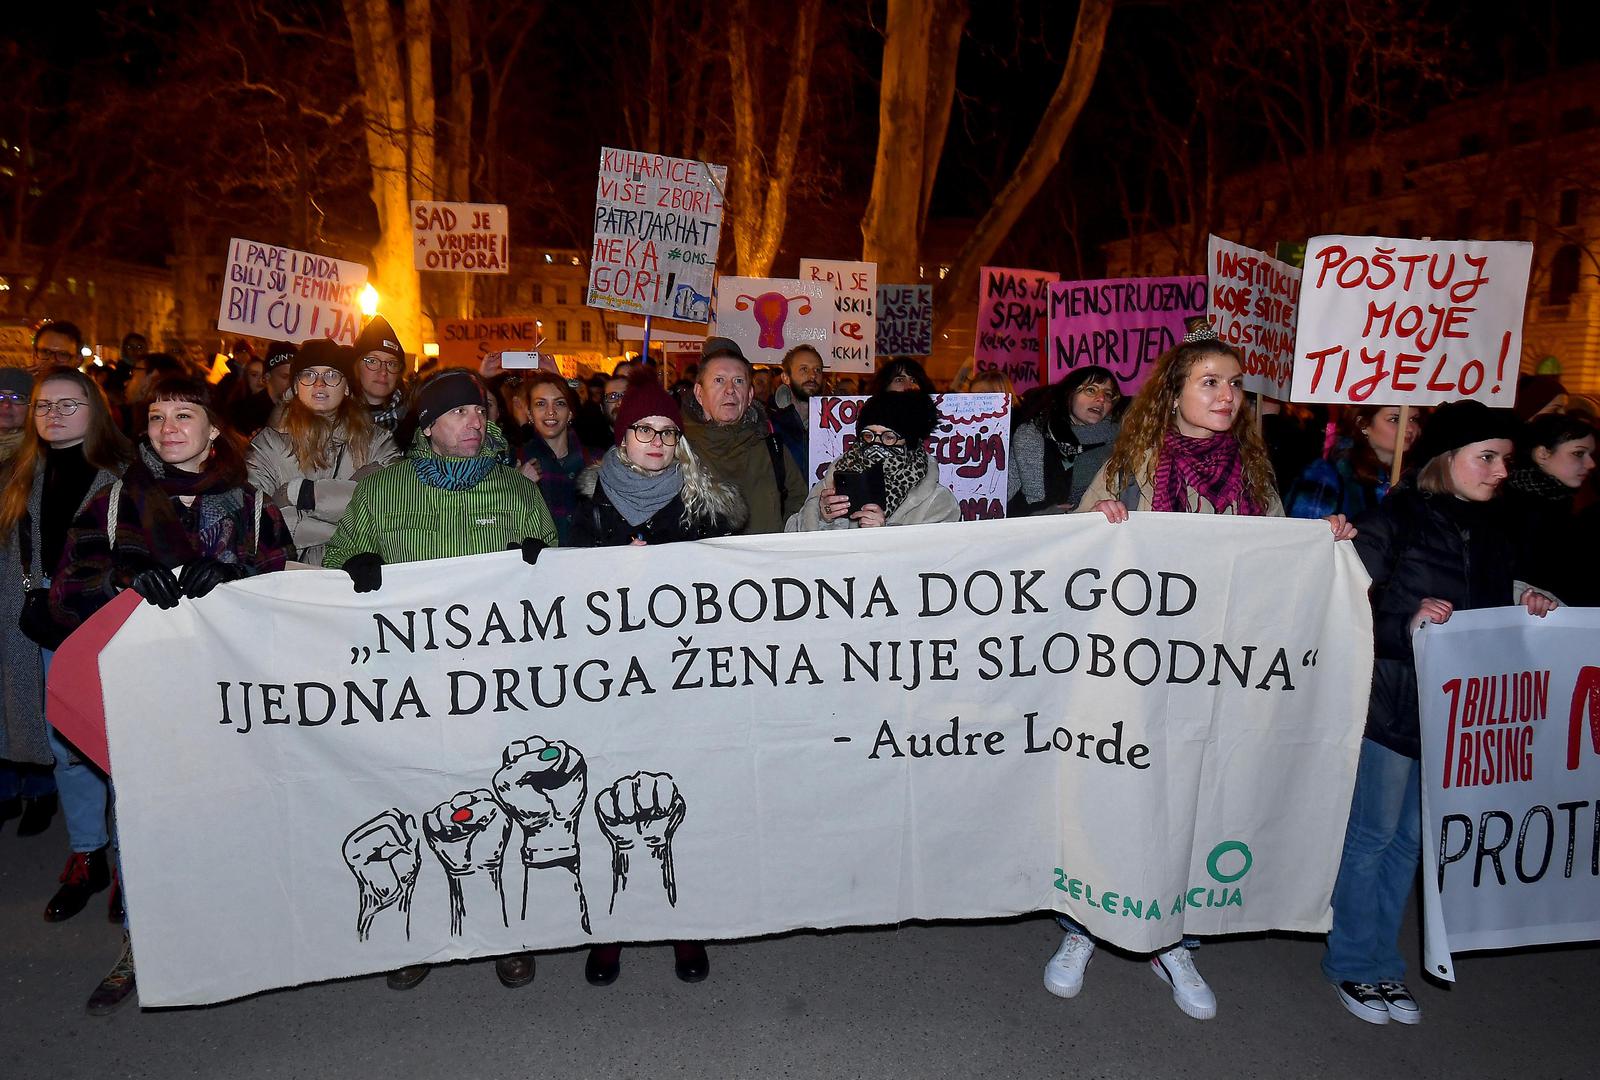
(769, 316)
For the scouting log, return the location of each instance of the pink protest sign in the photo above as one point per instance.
(1013, 306)
(1122, 324)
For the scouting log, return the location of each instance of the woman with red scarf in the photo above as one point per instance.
(1187, 446)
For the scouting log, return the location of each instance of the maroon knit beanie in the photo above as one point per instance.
(644, 398)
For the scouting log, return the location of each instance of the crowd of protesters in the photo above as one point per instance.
(151, 477)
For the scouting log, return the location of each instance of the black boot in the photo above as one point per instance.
(689, 961)
(604, 964)
(37, 813)
(9, 808)
(86, 874)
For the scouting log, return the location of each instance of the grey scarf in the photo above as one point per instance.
(637, 496)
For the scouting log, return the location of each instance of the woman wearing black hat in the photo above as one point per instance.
(1434, 546)
(885, 477)
(310, 459)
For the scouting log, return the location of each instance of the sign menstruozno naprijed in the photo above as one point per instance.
(1386, 321)
(657, 225)
(855, 321)
(473, 238)
(1121, 324)
(1013, 309)
(284, 294)
(770, 316)
(1252, 299)
(905, 320)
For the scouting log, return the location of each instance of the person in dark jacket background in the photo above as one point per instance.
(1434, 546)
(1555, 455)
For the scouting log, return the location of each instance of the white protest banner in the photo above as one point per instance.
(855, 322)
(468, 341)
(282, 294)
(1410, 322)
(971, 444)
(769, 316)
(657, 223)
(473, 238)
(1013, 315)
(1121, 324)
(1510, 710)
(1152, 726)
(1252, 302)
(905, 320)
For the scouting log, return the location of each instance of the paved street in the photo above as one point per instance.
(953, 1000)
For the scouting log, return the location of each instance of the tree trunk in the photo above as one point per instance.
(455, 291)
(944, 50)
(890, 230)
(1083, 63)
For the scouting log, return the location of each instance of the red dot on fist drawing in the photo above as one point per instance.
(462, 816)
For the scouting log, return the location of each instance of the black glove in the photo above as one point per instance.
(203, 575)
(152, 581)
(306, 501)
(365, 570)
(530, 549)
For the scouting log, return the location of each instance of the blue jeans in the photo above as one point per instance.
(85, 791)
(24, 779)
(1382, 846)
(1072, 926)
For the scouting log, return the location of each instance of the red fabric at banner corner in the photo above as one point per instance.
(74, 703)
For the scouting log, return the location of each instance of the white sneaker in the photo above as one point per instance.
(1175, 967)
(1063, 975)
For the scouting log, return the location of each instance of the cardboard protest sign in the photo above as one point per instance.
(1252, 302)
(905, 320)
(469, 237)
(769, 316)
(287, 295)
(855, 300)
(1418, 322)
(739, 737)
(1013, 309)
(1510, 711)
(1121, 324)
(468, 341)
(971, 445)
(16, 346)
(657, 223)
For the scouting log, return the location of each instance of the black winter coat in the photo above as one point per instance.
(1416, 545)
(597, 523)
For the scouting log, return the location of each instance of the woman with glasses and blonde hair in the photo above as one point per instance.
(885, 477)
(311, 457)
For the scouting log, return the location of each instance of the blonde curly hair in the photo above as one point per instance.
(1137, 451)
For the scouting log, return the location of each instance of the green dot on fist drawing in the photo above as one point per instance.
(549, 753)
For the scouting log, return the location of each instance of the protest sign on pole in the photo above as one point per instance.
(287, 295)
(905, 320)
(1013, 310)
(739, 737)
(1385, 321)
(1121, 324)
(471, 238)
(1510, 711)
(1252, 302)
(971, 445)
(657, 224)
(855, 322)
(769, 316)
(468, 341)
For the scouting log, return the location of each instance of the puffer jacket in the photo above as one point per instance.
(312, 503)
(928, 502)
(1418, 545)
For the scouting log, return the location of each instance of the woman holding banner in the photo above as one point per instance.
(554, 456)
(182, 520)
(1058, 452)
(1356, 477)
(1187, 445)
(1435, 546)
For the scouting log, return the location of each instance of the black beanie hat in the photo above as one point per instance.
(322, 352)
(379, 336)
(1460, 423)
(911, 414)
(444, 392)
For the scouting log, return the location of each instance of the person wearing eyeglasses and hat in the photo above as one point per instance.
(380, 371)
(15, 387)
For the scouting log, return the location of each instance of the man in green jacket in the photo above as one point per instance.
(449, 496)
(729, 431)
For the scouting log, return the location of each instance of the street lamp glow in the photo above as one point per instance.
(368, 300)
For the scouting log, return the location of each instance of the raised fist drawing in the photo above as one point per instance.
(542, 785)
(384, 855)
(468, 834)
(640, 813)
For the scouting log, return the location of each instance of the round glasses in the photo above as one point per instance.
(57, 356)
(311, 376)
(65, 407)
(647, 434)
(881, 438)
(389, 364)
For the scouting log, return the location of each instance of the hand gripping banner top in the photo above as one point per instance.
(1152, 726)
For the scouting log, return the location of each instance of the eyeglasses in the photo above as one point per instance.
(647, 434)
(881, 438)
(614, 397)
(11, 397)
(59, 356)
(64, 407)
(311, 376)
(1105, 393)
(391, 365)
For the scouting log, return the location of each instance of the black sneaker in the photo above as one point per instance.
(10, 808)
(1365, 1001)
(1403, 1008)
(37, 814)
(116, 989)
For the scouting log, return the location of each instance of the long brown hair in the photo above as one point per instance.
(313, 435)
(104, 446)
(227, 453)
(1147, 420)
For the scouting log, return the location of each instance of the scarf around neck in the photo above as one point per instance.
(1194, 473)
(638, 496)
(1534, 481)
(217, 505)
(453, 473)
(903, 468)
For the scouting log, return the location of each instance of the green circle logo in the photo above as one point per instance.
(1225, 848)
